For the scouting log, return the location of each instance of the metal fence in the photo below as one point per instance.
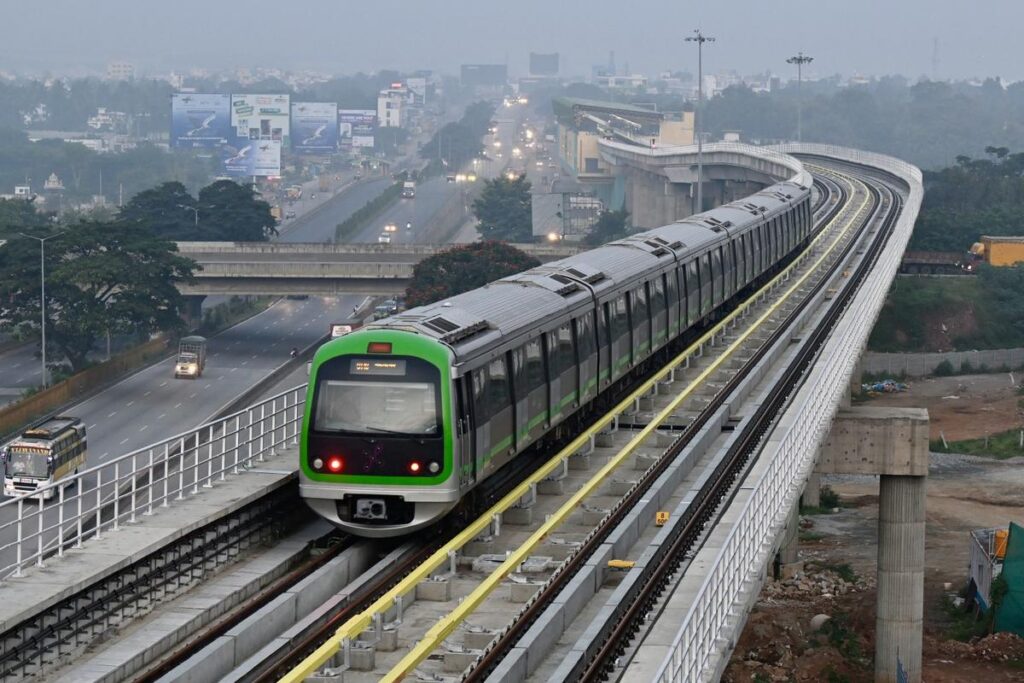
(101, 499)
(789, 454)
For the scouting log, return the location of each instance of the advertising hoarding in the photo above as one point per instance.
(356, 127)
(245, 157)
(261, 117)
(314, 127)
(200, 120)
(418, 89)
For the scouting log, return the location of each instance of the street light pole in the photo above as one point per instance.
(799, 60)
(193, 209)
(700, 39)
(42, 297)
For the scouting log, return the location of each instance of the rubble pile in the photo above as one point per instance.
(824, 583)
(997, 647)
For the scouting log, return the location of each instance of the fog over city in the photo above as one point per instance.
(936, 38)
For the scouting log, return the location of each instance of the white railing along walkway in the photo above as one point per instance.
(791, 450)
(102, 498)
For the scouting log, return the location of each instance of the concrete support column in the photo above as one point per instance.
(193, 311)
(900, 607)
(812, 491)
(789, 556)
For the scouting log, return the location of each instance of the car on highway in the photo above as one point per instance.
(390, 227)
(289, 214)
(384, 238)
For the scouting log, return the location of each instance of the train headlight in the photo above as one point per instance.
(335, 464)
(433, 467)
(318, 464)
(415, 467)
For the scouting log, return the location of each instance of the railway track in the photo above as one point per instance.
(364, 640)
(362, 629)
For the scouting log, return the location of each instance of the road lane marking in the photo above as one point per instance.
(124, 441)
(112, 414)
(193, 395)
(128, 405)
(92, 426)
(146, 394)
(164, 384)
(104, 455)
(162, 416)
(233, 369)
(206, 387)
(143, 428)
(177, 405)
(244, 362)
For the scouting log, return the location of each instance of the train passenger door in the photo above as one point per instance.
(464, 459)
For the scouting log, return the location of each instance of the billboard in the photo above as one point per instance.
(418, 89)
(544, 64)
(200, 120)
(484, 75)
(245, 157)
(314, 127)
(356, 127)
(260, 117)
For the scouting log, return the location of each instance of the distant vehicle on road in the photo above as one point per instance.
(390, 227)
(385, 238)
(289, 214)
(44, 453)
(408, 189)
(191, 357)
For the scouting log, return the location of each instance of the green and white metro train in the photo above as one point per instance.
(405, 417)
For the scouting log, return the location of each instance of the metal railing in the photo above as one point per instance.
(790, 452)
(101, 499)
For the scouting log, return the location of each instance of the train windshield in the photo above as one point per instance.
(377, 407)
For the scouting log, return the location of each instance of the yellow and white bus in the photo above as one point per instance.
(44, 453)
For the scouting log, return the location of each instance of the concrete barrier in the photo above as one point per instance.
(923, 364)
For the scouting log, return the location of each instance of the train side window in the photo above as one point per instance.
(706, 280)
(535, 377)
(499, 394)
(585, 336)
(566, 351)
(481, 408)
(718, 268)
(658, 295)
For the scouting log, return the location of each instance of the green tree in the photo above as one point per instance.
(18, 215)
(164, 210)
(611, 225)
(463, 268)
(224, 211)
(503, 209)
(100, 277)
(233, 212)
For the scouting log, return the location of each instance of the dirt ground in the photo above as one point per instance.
(962, 407)
(964, 493)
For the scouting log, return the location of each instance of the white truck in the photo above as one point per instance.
(191, 358)
(409, 189)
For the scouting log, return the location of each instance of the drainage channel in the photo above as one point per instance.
(521, 538)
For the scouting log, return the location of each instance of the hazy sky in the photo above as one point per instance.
(871, 37)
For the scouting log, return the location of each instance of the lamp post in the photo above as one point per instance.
(799, 60)
(42, 296)
(193, 209)
(700, 39)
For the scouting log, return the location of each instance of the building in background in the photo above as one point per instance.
(391, 104)
(485, 78)
(120, 71)
(543, 64)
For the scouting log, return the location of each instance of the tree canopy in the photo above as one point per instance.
(504, 210)
(224, 211)
(463, 268)
(17, 215)
(611, 225)
(458, 143)
(972, 198)
(100, 277)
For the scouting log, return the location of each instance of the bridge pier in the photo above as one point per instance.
(892, 443)
(192, 314)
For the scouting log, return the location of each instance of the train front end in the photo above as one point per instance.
(377, 455)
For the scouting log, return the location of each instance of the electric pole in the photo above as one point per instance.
(700, 39)
(799, 60)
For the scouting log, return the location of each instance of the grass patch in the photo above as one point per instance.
(963, 625)
(844, 571)
(842, 637)
(810, 536)
(1000, 446)
(237, 309)
(828, 500)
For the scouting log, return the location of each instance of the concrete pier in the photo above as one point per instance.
(900, 606)
(892, 443)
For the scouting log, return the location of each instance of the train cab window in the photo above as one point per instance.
(480, 408)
